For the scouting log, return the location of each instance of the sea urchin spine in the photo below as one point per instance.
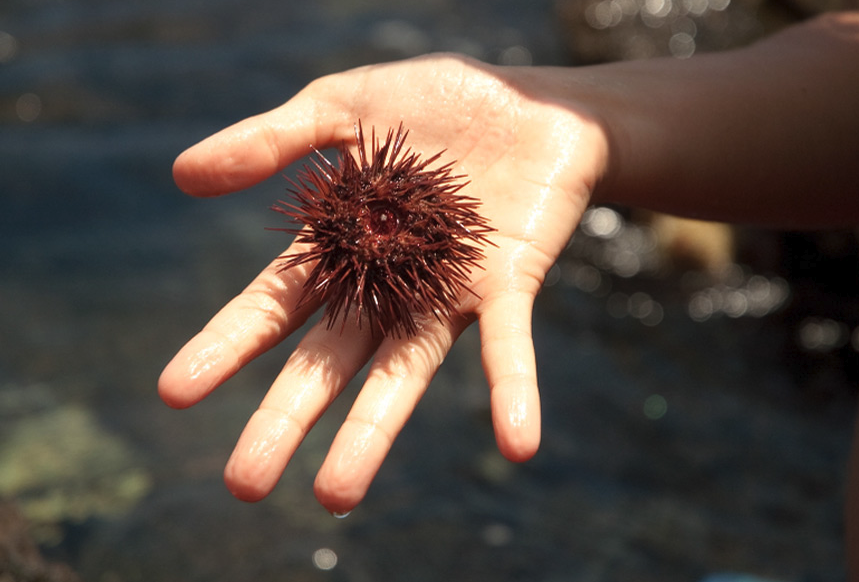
(391, 238)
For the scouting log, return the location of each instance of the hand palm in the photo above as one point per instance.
(532, 168)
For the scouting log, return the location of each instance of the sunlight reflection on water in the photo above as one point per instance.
(325, 559)
(607, 245)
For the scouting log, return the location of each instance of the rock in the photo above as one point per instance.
(61, 465)
(20, 559)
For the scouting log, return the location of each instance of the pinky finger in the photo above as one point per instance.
(511, 369)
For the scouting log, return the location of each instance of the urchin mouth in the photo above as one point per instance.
(383, 219)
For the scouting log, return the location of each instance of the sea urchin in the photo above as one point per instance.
(391, 238)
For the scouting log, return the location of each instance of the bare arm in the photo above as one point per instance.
(765, 134)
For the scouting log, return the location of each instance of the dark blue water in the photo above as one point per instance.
(672, 449)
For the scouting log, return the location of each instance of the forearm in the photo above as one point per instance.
(767, 134)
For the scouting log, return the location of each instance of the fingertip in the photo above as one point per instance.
(170, 388)
(520, 448)
(336, 503)
(517, 419)
(242, 489)
(355, 457)
(185, 173)
(337, 493)
(337, 489)
(219, 164)
(262, 453)
(517, 423)
(198, 368)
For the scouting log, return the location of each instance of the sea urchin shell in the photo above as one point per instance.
(391, 238)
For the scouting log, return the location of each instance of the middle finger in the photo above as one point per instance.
(315, 374)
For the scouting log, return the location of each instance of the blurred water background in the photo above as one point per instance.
(695, 422)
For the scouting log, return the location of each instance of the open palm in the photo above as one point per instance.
(531, 160)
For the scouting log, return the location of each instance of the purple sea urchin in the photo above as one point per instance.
(391, 238)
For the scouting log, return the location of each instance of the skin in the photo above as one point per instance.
(766, 134)
(532, 164)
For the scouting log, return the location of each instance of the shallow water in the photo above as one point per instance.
(672, 448)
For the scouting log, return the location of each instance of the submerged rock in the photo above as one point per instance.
(62, 466)
(20, 559)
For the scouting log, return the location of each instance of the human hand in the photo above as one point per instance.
(532, 160)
